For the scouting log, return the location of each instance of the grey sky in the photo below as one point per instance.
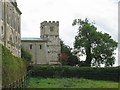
(103, 12)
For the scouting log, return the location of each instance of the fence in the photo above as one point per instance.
(21, 83)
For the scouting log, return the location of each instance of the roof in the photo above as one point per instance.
(32, 39)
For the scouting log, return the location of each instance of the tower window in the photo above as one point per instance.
(56, 36)
(51, 28)
(40, 46)
(41, 27)
(31, 46)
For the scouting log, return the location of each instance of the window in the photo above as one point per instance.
(11, 38)
(7, 14)
(51, 28)
(13, 17)
(41, 27)
(16, 39)
(9, 48)
(18, 25)
(2, 29)
(40, 46)
(56, 36)
(46, 36)
(31, 46)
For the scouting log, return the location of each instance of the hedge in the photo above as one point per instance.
(13, 68)
(109, 73)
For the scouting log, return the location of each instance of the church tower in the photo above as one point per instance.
(50, 32)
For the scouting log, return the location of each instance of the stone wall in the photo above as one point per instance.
(37, 49)
(1, 23)
(10, 27)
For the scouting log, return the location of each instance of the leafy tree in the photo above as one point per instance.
(98, 47)
(73, 60)
(66, 57)
(65, 48)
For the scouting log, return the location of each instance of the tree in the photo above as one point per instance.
(25, 55)
(73, 60)
(98, 47)
(66, 57)
(63, 57)
(65, 48)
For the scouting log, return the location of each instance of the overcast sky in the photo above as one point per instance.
(103, 12)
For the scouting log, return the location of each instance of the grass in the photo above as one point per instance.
(69, 83)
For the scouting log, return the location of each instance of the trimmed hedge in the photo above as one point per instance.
(109, 73)
(13, 68)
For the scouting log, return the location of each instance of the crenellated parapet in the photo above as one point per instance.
(49, 23)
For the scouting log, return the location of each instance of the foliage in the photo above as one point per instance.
(108, 73)
(69, 83)
(13, 68)
(65, 48)
(73, 60)
(66, 57)
(63, 58)
(98, 47)
(25, 55)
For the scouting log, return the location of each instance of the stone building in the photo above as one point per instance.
(44, 50)
(50, 32)
(37, 48)
(10, 32)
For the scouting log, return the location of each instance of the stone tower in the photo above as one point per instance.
(50, 32)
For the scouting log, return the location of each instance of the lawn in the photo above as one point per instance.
(70, 83)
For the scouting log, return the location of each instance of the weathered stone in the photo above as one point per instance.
(10, 32)
(44, 50)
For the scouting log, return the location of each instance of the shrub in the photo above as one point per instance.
(110, 73)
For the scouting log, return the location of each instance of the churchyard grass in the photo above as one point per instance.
(69, 83)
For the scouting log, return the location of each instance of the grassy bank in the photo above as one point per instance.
(13, 68)
(69, 83)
